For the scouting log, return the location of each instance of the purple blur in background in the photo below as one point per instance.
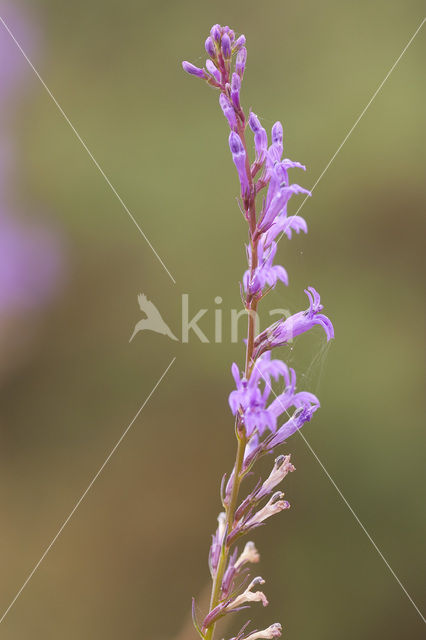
(30, 253)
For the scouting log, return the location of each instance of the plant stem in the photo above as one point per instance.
(215, 598)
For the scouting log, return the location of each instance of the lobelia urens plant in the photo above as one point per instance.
(258, 427)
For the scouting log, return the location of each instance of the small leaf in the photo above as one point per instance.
(194, 620)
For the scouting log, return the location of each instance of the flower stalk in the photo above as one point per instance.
(230, 511)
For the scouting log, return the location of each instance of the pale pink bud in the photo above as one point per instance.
(275, 505)
(250, 596)
(281, 468)
(249, 554)
(274, 631)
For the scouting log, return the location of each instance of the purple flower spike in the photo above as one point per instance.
(228, 111)
(226, 46)
(235, 90)
(210, 47)
(239, 158)
(193, 70)
(264, 416)
(240, 63)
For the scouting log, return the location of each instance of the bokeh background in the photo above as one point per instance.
(72, 263)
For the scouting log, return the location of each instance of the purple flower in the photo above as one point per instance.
(250, 401)
(289, 398)
(283, 331)
(285, 224)
(260, 137)
(229, 113)
(277, 137)
(239, 158)
(279, 193)
(265, 273)
(296, 422)
(193, 70)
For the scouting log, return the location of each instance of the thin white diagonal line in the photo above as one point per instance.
(95, 162)
(346, 502)
(361, 525)
(84, 494)
(349, 133)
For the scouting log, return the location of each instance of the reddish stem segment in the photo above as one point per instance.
(251, 307)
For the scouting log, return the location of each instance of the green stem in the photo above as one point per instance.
(230, 511)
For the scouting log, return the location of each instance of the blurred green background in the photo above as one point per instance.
(135, 551)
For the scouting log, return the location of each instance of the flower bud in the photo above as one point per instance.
(221, 520)
(228, 111)
(236, 145)
(239, 158)
(277, 133)
(260, 137)
(249, 554)
(275, 505)
(281, 468)
(240, 42)
(277, 138)
(229, 32)
(210, 47)
(250, 596)
(193, 70)
(241, 60)
(215, 32)
(226, 46)
(235, 90)
(274, 631)
(211, 68)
